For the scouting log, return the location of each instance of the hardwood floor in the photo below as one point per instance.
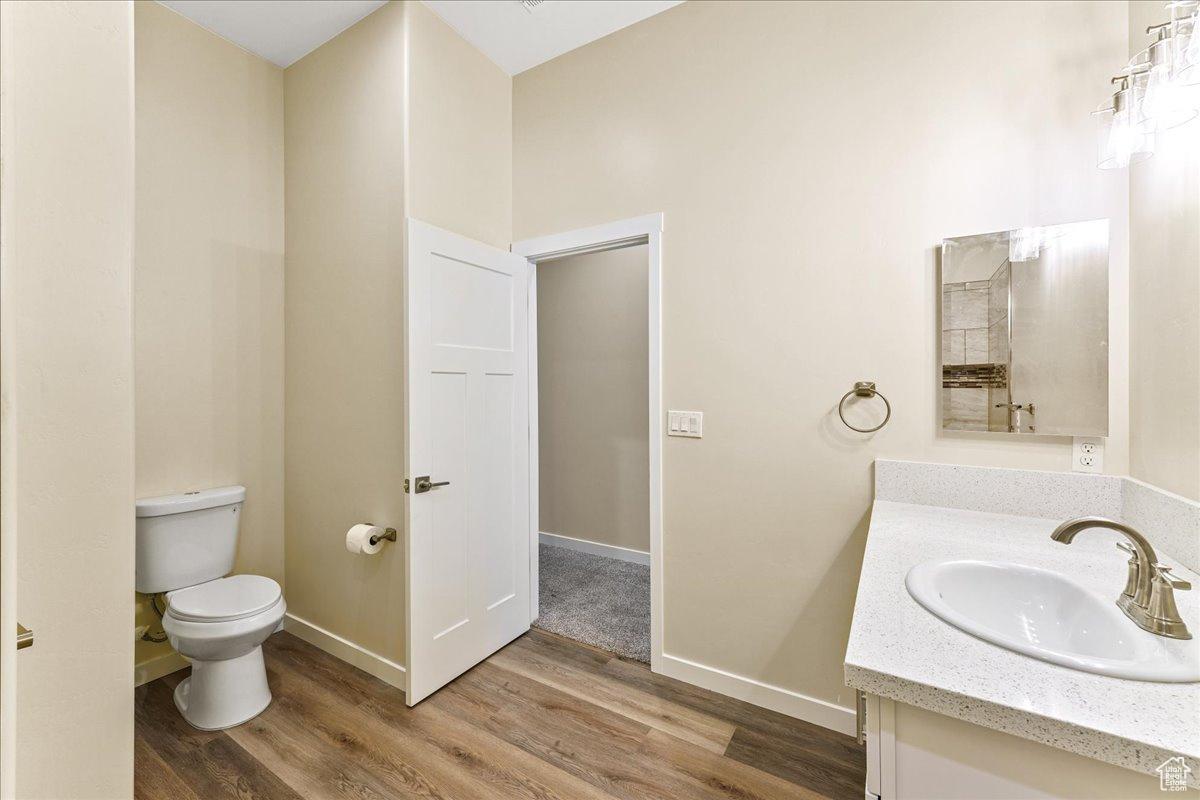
(544, 718)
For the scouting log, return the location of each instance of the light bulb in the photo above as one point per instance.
(1128, 141)
(1124, 136)
(1165, 103)
(1121, 138)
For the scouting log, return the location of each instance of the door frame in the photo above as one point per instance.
(646, 230)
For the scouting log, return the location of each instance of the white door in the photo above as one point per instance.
(467, 434)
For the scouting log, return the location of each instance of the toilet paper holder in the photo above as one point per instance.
(388, 533)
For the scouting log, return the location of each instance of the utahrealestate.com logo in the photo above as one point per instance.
(1172, 775)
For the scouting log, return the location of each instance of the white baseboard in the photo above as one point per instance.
(346, 650)
(785, 701)
(157, 667)
(595, 548)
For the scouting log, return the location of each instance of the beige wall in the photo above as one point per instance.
(809, 158)
(459, 133)
(593, 385)
(346, 128)
(344, 329)
(66, 138)
(1164, 299)
(208, 269)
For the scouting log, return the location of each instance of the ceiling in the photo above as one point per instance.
(516, 38)
(281, 31)
(514, 35)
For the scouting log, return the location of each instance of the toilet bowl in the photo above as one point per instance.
(220, 626)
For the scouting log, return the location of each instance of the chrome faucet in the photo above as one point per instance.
(1149, 595)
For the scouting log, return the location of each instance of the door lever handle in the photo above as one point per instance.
(423, 484)
(24, 637)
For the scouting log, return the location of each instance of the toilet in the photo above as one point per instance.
(185, 547)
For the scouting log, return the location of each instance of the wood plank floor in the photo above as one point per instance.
(544, 718)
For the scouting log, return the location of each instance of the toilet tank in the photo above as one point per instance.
(186, 539)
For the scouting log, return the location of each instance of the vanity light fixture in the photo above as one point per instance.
(1167, 97)
(1158, 90)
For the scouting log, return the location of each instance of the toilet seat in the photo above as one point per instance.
(224, 600)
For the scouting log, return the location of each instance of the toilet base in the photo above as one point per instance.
(222, 694)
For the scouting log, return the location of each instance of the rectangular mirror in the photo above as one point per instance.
(1025, 331)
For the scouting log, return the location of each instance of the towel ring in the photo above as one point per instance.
(864, 389)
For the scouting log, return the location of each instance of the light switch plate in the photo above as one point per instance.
(1087, 454)
(685, 423)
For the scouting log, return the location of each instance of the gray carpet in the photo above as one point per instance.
(595, 600)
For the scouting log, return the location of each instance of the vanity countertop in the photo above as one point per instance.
(901, 651)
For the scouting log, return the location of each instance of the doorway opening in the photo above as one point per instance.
(595, 428)
(594, 450)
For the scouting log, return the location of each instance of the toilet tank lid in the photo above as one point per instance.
(190, 501)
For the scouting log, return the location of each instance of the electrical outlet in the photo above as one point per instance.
(1087, 454)
(685, 423)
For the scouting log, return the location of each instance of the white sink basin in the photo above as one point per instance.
(1046, 615)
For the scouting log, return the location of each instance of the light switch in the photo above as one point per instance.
(685, 423)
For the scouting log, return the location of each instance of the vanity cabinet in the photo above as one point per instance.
(913, 753)
(950, 715)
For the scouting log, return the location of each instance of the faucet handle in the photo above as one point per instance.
(1163, 572)
(1162, 613)
(1128, 548)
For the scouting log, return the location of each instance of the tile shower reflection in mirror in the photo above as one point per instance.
(1024, 330)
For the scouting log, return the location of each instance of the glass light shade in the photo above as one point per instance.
(1185, 46)
(1161, 101)
(1121, 140)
